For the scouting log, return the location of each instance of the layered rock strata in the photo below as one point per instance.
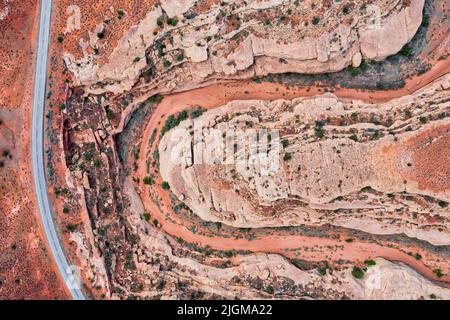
(181, 45)
(381, 168)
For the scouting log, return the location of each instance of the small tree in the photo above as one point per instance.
(438, 273)
(172, 22)
(148, 180)
(370, 262)
(165, 185)
(443, 204)
(358, 273)
(71, 227)
(287, 156)
(346, 9)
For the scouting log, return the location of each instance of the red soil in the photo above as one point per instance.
(431, 152)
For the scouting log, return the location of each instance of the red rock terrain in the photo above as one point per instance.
(136, 237)
(26, 270)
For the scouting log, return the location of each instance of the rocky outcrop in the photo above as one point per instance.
(380, 41)
(269, 276)
(396, 281)
(316, 161)
(378, 168)
(177, 46)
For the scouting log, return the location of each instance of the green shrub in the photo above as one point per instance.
(173, 121)
(364, 66)
(71, 227)
(353, 71)
(148, 180)
(443, 204)
(323, 270)
(270, 289)
(423, 119)
(438, 273)
(319, 132)
(358, 273)
(408, 114)
(425, 21)
(167, 63)
(165, 185)
(370, 263)
(97, 163)
(172, 22)
(407, 51)
(196, 113)
(287, 156)
(109, 113)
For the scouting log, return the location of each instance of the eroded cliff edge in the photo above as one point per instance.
(181, 47)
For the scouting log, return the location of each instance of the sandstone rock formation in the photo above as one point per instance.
(323, 178)
(378, 168)
(395, 281)
(259, 275)
(182, 45)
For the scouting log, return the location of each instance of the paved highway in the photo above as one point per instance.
(40, 184)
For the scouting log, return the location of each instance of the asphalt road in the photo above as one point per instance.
(67, 271)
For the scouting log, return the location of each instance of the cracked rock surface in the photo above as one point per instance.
(186, 44)
(346, 163)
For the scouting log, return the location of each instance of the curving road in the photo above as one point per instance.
(66, 271)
